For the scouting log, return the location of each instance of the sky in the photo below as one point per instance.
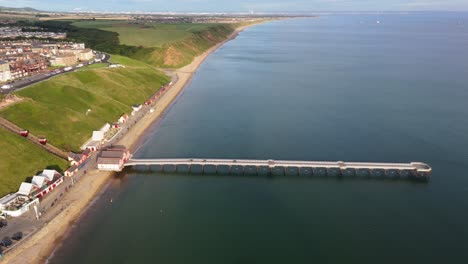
(240, 5)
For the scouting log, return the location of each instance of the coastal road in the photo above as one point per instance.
(42, 76)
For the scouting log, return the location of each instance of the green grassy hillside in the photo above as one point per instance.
(57, 108)
(180, 53)
(146, 35)
(161, 45)
(22, 159)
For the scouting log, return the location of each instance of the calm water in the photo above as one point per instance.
(333, 88)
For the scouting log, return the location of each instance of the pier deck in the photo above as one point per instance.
(417, 169)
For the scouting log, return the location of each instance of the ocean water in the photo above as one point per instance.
(341, 87)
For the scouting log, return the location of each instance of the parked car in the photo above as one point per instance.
(17, 236)
(6, 242)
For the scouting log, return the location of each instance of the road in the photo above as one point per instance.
(41, 76)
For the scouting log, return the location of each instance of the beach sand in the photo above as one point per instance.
(38, 247)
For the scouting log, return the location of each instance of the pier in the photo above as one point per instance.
(417, 170)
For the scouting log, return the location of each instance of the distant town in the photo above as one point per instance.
(24, 58)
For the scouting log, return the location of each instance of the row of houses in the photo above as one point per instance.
(16, 204)
(23, 58)
(17, 32)
(76, 161)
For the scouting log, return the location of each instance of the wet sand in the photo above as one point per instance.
(38, 247)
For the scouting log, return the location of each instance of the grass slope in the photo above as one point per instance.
(160, 45)
(57, 108)
(22, 159)
(147, 35)
(177, 54)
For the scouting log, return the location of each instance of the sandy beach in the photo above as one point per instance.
(38, 247)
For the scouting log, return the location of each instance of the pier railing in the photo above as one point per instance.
(413, 169)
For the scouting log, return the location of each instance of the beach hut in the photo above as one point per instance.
(93, 145)
(71, 171)
(123, 118)
(86, 153)
(76, 158)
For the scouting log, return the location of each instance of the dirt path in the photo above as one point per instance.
(48, 147)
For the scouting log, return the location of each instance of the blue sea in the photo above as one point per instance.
(386, 87)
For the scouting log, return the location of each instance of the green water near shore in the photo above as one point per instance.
(333, 88)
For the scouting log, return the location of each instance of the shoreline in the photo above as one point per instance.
(40, 246)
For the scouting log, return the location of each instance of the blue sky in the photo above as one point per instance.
(240, 5)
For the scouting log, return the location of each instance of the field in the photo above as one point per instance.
(22, 159)
(147, 35)
(160, 45)
(58, 108)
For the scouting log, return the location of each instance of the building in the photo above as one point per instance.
(113, 159)
(5, 73)
(27, 64)
(12, 201)
(71, 171)
(123, 118)
(66, 59)
(51, 175)
(27, 189)
(78, 45)
(85, 55)
(39, 181)
(76, 158)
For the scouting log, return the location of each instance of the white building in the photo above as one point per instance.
(26, 189)
(39, 181)
(50, 174)
(113, 159)
(5, 73)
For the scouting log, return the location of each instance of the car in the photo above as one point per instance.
(6, 242)
(3, 223)
(17, 236)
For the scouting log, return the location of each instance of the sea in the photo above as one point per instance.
(347, 87)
